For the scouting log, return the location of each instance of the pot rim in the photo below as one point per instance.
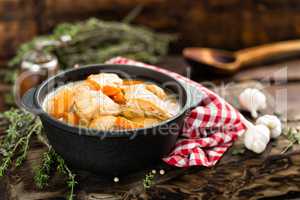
(98, 133)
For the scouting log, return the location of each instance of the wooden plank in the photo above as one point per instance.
(247, 176)
(17, 24)
(287, 70)
(226, 24)
(4, 89)
(236, 177)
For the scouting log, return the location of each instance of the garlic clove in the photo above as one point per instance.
(256, 138)
(252, 100)
(259, 147)
(254, 113)
(273, 123)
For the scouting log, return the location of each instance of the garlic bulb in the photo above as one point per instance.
(272, 122)
(256, 138)
(252, 100)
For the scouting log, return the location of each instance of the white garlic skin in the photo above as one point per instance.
(257, 138)
(252, 100)
(273, 123)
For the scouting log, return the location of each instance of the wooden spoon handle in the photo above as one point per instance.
(268, 52)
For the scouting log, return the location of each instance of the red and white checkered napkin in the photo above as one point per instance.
(209, 130)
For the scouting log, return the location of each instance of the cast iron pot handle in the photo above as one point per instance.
(28, 101)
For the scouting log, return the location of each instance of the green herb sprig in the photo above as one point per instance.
(51, 160)
(9, 75)
(293, 135)
(63, 169)
(14, 146)
(148, 180)
(42, 174)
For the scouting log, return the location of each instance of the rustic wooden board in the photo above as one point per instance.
(247, 176)
(283, 71)
(235, 177)
(18, 23)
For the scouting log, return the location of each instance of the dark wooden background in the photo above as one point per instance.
(229, 24)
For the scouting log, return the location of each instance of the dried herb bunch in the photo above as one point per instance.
(94, 41)
(14, 145)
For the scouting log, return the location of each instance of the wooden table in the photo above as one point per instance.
(271, 175)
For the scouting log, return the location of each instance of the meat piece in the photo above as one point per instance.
(104, 79)
(156, 90)
(132, 82)
(147, 122)
(103, 123)
(140, 100)
(85, 103)
(106, 106)
(130, 110)
(123, 123)
(89, 103)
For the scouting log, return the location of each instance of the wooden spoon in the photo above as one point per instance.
(230, 62)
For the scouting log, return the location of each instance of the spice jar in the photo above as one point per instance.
(36, 67)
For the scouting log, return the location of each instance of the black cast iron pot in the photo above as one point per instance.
(109, 153)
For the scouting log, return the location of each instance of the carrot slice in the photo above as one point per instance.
(62, 103)
(124, 123)
(110, 90)
(57, 108)
(115, 93)
(131, 82)
(71, 118)
(119, 98)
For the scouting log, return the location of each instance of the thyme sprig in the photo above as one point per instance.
(51, 160)
(148, 181)
(293, 135)
(42, 174)
(63, 169)
(14, 146)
